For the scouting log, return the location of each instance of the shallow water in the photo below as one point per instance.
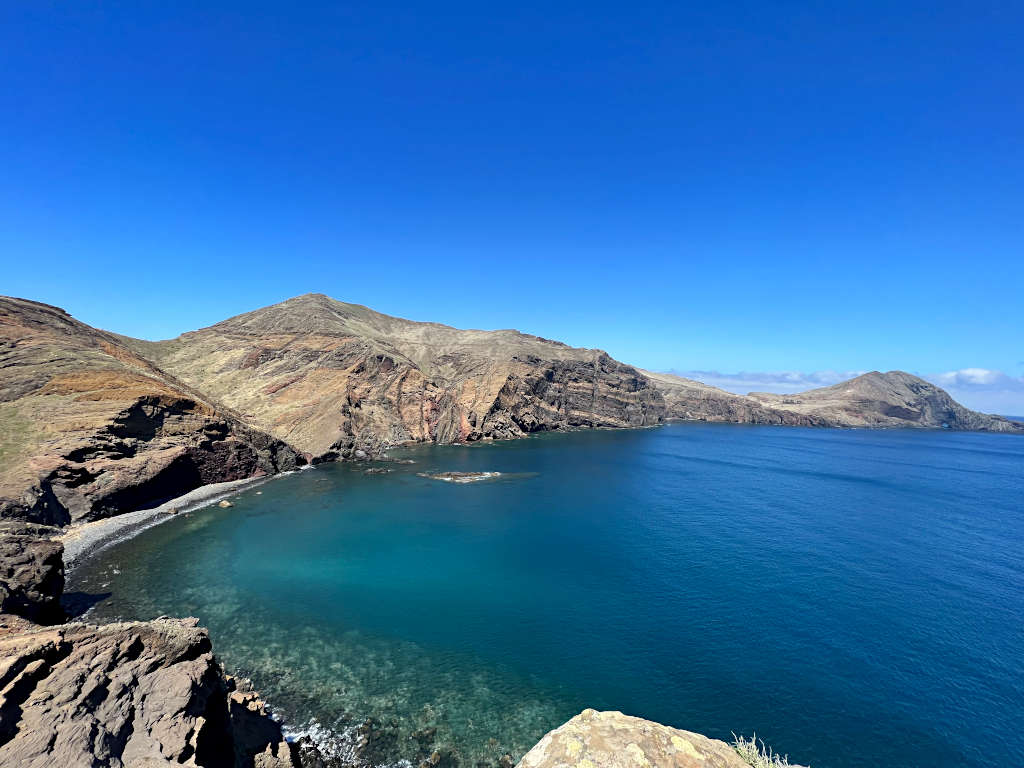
(855, 597)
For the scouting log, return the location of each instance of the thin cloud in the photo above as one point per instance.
(984, 389)
(781, 382)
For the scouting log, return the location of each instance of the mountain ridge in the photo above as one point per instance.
(90, 419)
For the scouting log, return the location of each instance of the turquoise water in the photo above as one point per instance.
(855, 597)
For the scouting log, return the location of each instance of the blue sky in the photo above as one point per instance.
(721, 187)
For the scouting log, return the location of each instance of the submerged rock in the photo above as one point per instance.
(614, 740)
(460, 477)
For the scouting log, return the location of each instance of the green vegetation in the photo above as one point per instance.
(758, 754)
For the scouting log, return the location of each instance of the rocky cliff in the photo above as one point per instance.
(88, 428)
(333, 378)
(893, 399)
(92, 423)
(130, 694)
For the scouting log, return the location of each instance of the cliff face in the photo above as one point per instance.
(689, 400)
(31, 571)
(333, 378)
(88, 428)
(92, 424)
(131, 694)
(894, 399)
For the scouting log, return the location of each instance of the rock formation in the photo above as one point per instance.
(614, 740)
(31, 571)
(129, 694)
(89, 429)
(333, 379)
(689, 400)
(92, 423)
(893, 399)
(119, 695)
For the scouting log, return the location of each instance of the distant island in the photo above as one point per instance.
(94, 425)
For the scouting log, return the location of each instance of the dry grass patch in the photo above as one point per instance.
(758, 754)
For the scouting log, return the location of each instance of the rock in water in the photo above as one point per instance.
(614, 740)
(460, 477)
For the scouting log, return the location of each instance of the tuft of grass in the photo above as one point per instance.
(758, 754)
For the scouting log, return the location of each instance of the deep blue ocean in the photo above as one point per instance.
(854, 597)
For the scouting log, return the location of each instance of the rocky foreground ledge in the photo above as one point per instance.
(614, 740)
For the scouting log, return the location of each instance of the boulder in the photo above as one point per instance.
(614, 740)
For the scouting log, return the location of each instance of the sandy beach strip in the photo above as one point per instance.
(87, 539)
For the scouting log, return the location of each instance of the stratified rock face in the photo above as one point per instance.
(88, 428)
(92, 424)
(893, 399)
(31, 572)
(132, 694)
(614, 740)
(334, 378)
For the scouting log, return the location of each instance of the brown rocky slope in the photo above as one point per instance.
(92, 423)
(89, 429)
(332, 379)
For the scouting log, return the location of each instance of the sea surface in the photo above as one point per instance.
(856, 598)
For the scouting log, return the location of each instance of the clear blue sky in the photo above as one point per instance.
(758, 186)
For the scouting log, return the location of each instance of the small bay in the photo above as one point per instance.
(855, 597)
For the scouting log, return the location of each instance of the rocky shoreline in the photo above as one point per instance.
(92, 424)
(87, 540)
(149, 693)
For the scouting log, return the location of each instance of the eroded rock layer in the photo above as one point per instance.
(92, 423)
(129, 694)
(88, 428)
(333, 378)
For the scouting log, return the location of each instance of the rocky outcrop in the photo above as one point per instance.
(88, 428)
(893, 399)
(31, 572)
(119, 695)
(92, 424)
(337, 379)
(614, 740)
(131, 694)
(689, 400)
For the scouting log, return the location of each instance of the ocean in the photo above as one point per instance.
(854, 597)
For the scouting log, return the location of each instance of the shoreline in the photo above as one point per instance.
(84, 541)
